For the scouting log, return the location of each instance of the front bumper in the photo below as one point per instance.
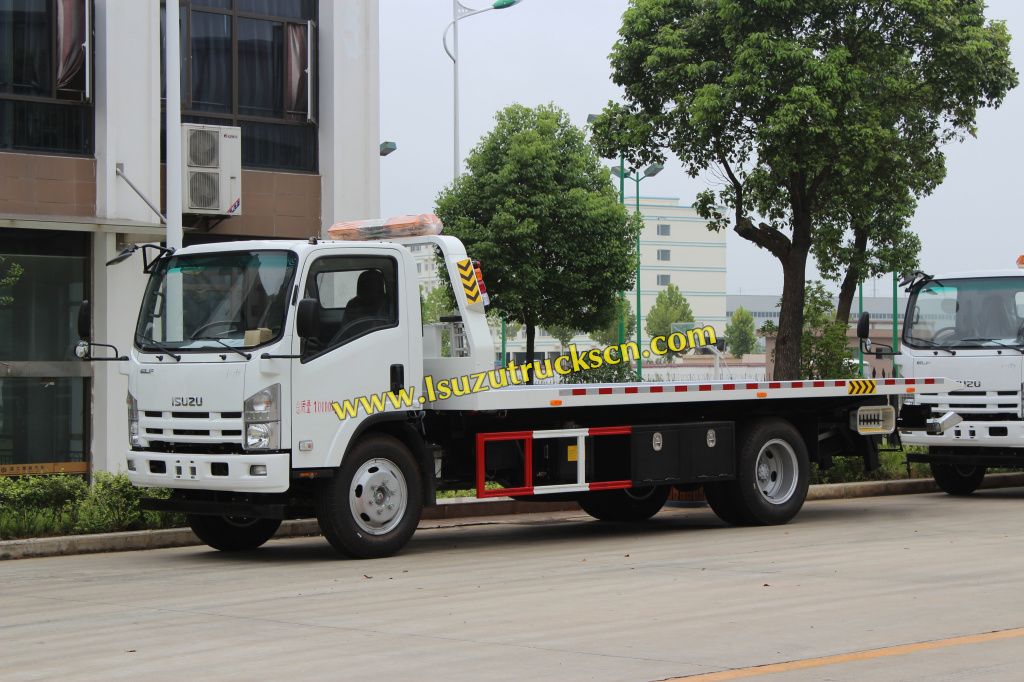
(210, 472)
(979, 434)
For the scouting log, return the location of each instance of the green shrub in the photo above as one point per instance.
(36, 506)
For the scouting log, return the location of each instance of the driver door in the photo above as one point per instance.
(360, 353)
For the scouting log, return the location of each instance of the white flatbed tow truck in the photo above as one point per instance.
(268, 378)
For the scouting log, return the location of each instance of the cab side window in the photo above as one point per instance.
(357, 295)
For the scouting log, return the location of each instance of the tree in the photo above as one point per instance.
(670, 306)
(563, 334)
(8, 278)
(823, 340)
(539, 210)
(609, 336)
(869, 238)
(804, 109)
(740, 333)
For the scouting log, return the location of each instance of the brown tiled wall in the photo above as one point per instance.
(274, 205)
(33, 184)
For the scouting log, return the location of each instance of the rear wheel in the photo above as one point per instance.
(627, 505)
(372, 506)
(772, 473)
(233, 533)
(957, 479)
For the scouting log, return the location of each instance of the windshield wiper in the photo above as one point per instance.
(998, 343)
(928, 343)
(247, 356)
(160, 347)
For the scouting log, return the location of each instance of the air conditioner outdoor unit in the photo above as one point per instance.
(211, 169)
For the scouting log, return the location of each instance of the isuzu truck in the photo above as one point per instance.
(275, 379)
(968, 326)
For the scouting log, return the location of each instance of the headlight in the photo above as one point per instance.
(262, 417)
(133, 421)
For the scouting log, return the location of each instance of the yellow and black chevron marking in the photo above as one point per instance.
(469, 282)
(860, 387)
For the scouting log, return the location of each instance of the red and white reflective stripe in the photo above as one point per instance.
(623, 389)
(581, 485)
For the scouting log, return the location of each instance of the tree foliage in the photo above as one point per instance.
(435, 305)
(540, 211)
(806, 110)
(609, 336)
(823, 340)
(740, 333)
(670, 306)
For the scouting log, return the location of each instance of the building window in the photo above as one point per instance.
(419, 267)
(45, 69)
(251, 63)
(45, 390)
(664, 254)
(664, 230)
(664, 280)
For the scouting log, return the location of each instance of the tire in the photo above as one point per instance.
(372, 505)
(772, 473)
(719, 497)
(957, 479)
(233, 534)
(628, 505)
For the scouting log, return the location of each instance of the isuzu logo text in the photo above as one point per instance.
(186, 402)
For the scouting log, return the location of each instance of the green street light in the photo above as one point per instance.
(650, 171)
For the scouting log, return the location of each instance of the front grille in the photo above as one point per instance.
(192, 432)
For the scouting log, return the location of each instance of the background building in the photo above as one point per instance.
(81, 95)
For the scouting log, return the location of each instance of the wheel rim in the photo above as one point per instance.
(776, 471)
(378, 496)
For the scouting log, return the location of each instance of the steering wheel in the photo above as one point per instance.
(948, 331)
(358, 327)
(233, 325)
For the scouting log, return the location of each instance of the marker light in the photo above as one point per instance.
(387, 228)
(480, 281)
(1020, 262)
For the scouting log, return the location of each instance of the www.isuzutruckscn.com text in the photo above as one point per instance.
(515, 375)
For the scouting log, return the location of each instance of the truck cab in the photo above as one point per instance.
(969, 327)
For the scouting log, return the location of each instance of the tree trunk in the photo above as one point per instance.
(530, 331)
(853, 277)
(791, 314)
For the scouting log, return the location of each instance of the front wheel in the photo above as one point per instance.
(957, 479)
(231, 533)
(372, 506)
(628, 505)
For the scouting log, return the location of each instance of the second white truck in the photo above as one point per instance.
(968, 326)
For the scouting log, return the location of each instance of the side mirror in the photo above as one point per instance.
(307, 318)
(84, 321)
(864, 326)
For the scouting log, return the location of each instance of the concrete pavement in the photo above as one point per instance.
(524, 597)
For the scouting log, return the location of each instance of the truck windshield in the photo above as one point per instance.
(966, 313)
(204, 302)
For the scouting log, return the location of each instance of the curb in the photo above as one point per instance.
(453, 509)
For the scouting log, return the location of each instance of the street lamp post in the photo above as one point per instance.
(650, 171)
(460, 11)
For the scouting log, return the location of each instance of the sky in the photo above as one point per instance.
(556, 51)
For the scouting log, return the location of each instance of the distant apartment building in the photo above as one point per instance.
(82, 97)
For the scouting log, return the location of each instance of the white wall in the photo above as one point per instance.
(127, 77)
(349, 114)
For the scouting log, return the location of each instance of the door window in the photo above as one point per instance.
(357, 295)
